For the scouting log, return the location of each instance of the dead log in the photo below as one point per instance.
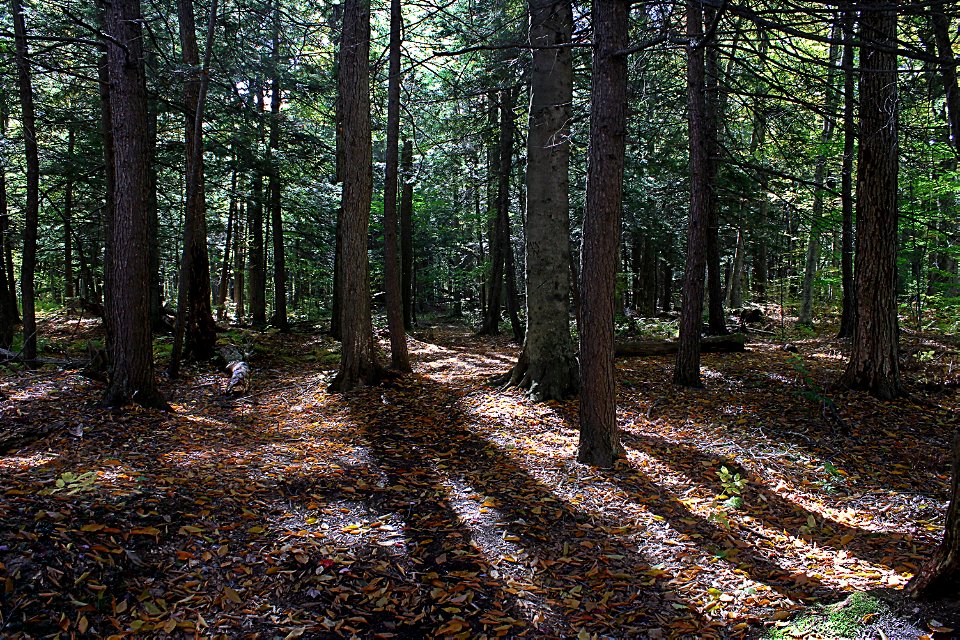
(711, 344)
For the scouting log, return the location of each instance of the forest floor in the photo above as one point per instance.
(438, 506)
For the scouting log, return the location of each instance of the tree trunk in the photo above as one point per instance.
(239, 265)
(940, 576)
(158, 321)
(715, 314)
(508, 99)
(687, 369)
(8, 293)
(406, 232)
(194, 312)
(258, 276)
(736, 277)
(491, 321)
(547, 368)
(68, 289)
(110, 182)
(31, 210)
(873, 363)
(358, 360)
(848, 307)
(227, 245)
(599, 436)
(279, 319)
(131, 351)
(819, 180)
(399, 359)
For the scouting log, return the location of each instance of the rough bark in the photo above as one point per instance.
(399, 358)
(31, 209)
(8, 295)
(599, 436)
(239, 265)
(507, 129)
(874, 363)
(131, 351)
(279, 318)
(68, 288)
(716, 319)
(687, 369)
(110, 182)
(940, 576)
(227, 246)
(406, 232)
(848, 308)
(547, 368)
(358, 360)
(195, 324)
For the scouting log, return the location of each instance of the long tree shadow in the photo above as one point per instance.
(765, 505)
(470, 501)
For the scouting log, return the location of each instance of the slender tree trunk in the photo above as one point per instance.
(399, 359)
(131, 351)
(406, 232)
(667, 301)
(157, 317)
(687, 369)
(195, 324)
(68, 290)
(874, 362)
(8, 294)
(599, 436)
(508, 99)
(547, 367)
(239, 264)
(227, 245)
(358, 360)
(258, 277)
(110, 182)
(736, 277)
(848, 312)
(491, 322)
(279, 319)
(716, 317)
(31, 210)
(819, 179)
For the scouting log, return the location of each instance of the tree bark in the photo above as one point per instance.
(68, 289)
(508, 99)
(406, 232)
(736, 277)
(258, 275)
(940, 576)
(279, 319)
(131, 351)
(547, 368)
(399, 359)
(31, 210)
(195, 324)
(687, 369)
(8, 294)
(599, 436)
(874, 362)
(848, 305)
(239, 264)
(358, 360)
(819, 180)
(491, 321)
(227, 245)
(716, 319)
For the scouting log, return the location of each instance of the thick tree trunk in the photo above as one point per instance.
(687, 369)
(358, 360)
(131, 351)
(848, 306)
(547, 368)
(31, 209)
(873, 363)
(940, 576)
(599, 436)
(393, 285)
(279, 319)
(406, 232)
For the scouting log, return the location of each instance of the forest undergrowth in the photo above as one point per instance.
(439, 506)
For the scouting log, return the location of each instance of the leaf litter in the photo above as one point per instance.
(440, 507)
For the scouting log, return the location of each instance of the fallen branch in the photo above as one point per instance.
(711, 344)
(240, 376)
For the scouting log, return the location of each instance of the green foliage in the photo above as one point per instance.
(842, 620)
(733, 483)
(72, 484)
